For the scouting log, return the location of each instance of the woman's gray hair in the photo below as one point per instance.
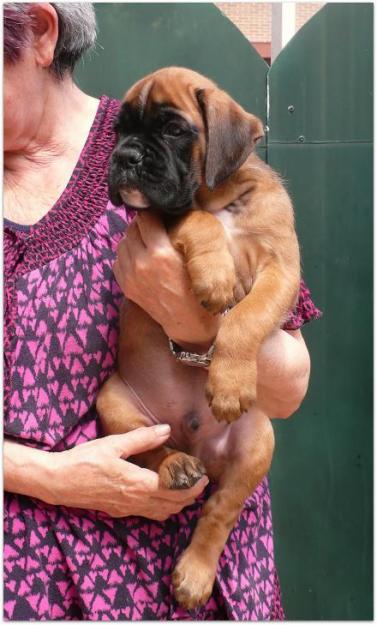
(77, 32)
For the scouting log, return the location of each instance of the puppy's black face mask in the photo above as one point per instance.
(151, 167)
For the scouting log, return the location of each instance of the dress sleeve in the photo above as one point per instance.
(304, 312)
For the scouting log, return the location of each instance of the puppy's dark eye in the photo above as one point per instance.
(173, 130)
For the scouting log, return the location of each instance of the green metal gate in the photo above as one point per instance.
(320, 139)
(323, 471)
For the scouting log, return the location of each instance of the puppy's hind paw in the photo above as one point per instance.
(179, 470)
(193, 580)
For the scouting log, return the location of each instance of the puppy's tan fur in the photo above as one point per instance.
(241, 252)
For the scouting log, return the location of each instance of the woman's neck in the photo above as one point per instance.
(62, 118)
(38, 169)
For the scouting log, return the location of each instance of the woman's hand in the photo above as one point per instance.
(152, 274)
(95, 476)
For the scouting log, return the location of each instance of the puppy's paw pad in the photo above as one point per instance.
(215, 296)
(216, 302)
(229, 401)
(179, 470)
(224, 408)
(230, 407)
(213, 283)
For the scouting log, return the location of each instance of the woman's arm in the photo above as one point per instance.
(283, 373)
(28, 471)
(95, 476)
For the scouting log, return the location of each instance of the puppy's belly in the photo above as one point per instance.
(182, 404)
(220, 446)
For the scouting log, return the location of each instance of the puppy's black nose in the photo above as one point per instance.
(132, 156)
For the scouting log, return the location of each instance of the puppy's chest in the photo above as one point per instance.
(228, 218)
(242, 242)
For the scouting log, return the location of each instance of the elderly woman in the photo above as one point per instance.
(89, 535)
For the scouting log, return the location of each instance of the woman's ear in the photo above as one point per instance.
(45, 32)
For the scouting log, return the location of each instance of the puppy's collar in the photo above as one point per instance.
(191, 358)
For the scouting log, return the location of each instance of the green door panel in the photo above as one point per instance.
(321, 480)
(326, 74)
(135, 39)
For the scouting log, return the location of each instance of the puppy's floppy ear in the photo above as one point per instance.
(231, 134)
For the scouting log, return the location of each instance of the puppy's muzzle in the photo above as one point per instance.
(132, 157)
(129, 155)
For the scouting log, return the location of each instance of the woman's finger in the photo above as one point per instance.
(133, 235)
(139, 440)
(130, 253)
(152, 231)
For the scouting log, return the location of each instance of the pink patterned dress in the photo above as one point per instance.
(61, 330)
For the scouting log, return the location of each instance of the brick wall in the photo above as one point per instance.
(254, 19)
(306, 10)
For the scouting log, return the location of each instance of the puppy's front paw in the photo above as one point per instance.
(179, 470)
(213, 280)
(193, 580)
(231, 389)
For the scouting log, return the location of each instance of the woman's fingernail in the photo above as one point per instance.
(162, 430)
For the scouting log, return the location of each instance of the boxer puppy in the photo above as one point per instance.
(185, 151)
